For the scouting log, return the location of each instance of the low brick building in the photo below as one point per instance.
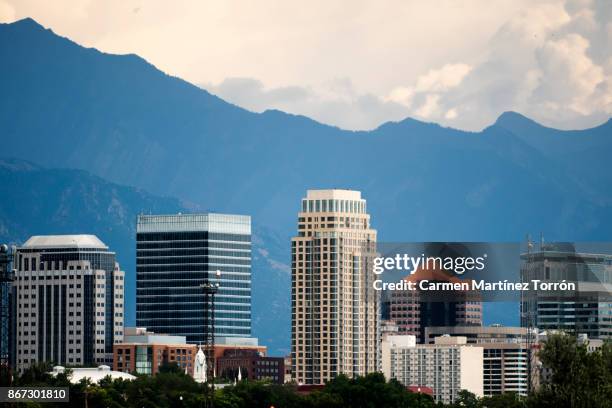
(145, 352)
(251, 365)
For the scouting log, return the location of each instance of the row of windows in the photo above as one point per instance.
(140, 301)
(177, 283)
(191, 291)
(349, 206)
(212, 245)
(173, 327)
(219, 314)
(144, 308)
(193, 268)
(191, 235)
(193, 260)
(198, 276)
(100, 260)
(191, 252)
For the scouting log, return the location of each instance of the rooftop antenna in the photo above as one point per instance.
(527, 312)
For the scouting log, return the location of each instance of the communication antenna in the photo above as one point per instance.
(527, 305)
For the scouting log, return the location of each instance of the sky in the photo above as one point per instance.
(357, 64)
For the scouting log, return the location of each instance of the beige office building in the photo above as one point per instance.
(333, 303)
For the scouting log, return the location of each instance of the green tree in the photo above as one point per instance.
(507, 400)
(578, 378)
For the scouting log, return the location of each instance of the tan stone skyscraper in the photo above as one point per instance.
(334, 308)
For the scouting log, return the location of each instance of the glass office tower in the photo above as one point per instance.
(586, 310)
(175, 254)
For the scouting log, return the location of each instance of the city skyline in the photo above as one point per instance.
(229, 203)
(503, 358)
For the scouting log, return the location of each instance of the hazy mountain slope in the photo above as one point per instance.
(585, 154)
(62, 201)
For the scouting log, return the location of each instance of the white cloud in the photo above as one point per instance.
(550, 61)
(402, 95)
(569, 77)
(443, 79)
(334, 102)
(451, 114)
(357, 64)
(430, 107)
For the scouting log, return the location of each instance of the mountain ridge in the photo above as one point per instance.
(126, 121)
(28, 23)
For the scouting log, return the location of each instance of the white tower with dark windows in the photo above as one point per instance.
(69, 303)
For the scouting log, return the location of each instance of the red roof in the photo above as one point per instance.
(421, 389)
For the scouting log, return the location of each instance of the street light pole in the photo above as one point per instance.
(210, 289)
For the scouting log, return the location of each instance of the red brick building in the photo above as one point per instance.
(145, 352)
(251, 364)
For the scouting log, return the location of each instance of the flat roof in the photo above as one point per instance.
(211, 222)
(333, 194)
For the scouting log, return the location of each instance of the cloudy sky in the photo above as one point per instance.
(357, 64)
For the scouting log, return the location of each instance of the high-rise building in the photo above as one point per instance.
(507, 356)
(586, 310)
(175, 254)
(413, 314)
(333, 303)
(447, 366)
(69, 301)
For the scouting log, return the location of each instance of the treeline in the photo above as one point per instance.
(577, 379)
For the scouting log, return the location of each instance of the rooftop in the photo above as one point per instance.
(64, 241)
(211, 222)
(333, 194)
(95, 374)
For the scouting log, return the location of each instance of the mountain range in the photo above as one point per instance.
(126, 123)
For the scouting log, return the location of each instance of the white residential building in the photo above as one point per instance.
(69, 302)
(447, 366)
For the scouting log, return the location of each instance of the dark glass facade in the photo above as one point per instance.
(175, 254)
(587, 309)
